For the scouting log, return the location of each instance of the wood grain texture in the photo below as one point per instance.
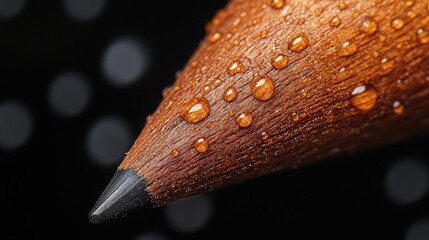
(310, 116)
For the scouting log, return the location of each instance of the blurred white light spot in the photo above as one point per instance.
(107, 141)
(69, 94)
(151, 236)
(406, 181)
(15, 125)
(190, 214)
(10, 8)
(124, 61)
(83, 10)
(419, 230)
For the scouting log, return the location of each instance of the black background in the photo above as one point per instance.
(49, 185)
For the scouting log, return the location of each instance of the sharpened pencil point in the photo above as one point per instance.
(125, 192)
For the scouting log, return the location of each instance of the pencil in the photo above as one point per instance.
(274, 86)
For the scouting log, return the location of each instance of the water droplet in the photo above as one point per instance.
(398, 108)
(264, 136)
(244, 119)
(422, 35)
(217, 82)
(295, 117)
(411, 14)
(298, 43)
(277, 4)
(303, 93)
(175, 153)
(204, 69)
(386, 65)
(215, 37)
(193, 64)
(169, 104)
(201, 144)
(382, 38)
(230, 94)
(195, 110)
(228, 36)
(318, 11)
(236, 43)
(397, 23)
(262, 88)
(234, 68)
(263, 34)
(280, 61)
(207, 89)
(368, 26)
(347, 49)
(409, 3)
(364, 97)
(342, 6)
(255, 21)
(335, 22)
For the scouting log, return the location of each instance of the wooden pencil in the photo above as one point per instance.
(276, 85)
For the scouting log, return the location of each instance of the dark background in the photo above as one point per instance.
(50, 183)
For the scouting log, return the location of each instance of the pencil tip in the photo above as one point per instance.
(124, 193)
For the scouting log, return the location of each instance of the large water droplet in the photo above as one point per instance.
(398, 108)
(422, 35)
(397, 23)
(244, 119)
(230, 94)
(175, 153)
(364, 97)
(335, 22)
(264, 136)
(368, 26)
(201, 144)
(280, 61)
(298, 43)
(347, 49)
(235, 67)
(262, 88)
(195, 110)
(342, 6)
(277, 4)
(215, 37)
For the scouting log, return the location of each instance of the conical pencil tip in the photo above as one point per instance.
(125, 192)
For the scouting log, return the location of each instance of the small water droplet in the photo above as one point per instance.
(234, 68)
(398, 108)
(422, 35)
(342, 6)
(175, 153)
(335, 22)
(347, 49)
(382, 38)
(217, 82)
(298, 43)
(262, 88)
(318, 11)
(244, 119)
(169, 104)
(264, 136)
(386, 65)
(368, 26)
(176, 88)
(397, 23)
(228, 36)
(280, 61)
(409, 3)
(277, 4)
(295, 117)
(201, 144)
(193, 64)
(195, 110)
(204, 69)
(236, 42)
(255, 21)
(230, 94)
(207, 89)
(263, 34)
(364, 97)
(303, 93)
(215, 37)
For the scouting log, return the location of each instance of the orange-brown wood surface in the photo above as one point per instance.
(279, 84)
